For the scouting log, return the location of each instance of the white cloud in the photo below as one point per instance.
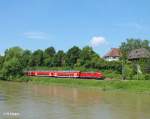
(35, 35)
(97, 41)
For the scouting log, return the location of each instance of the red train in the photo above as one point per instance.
(66, 74)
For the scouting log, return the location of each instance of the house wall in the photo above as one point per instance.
(111, 58)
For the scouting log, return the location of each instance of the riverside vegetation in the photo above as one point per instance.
(16, 60)
(105, 85)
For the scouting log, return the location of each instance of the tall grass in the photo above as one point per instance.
(127, 85)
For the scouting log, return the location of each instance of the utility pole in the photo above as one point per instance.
(123, 70)
(137, 71)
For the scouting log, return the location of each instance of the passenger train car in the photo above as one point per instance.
(66, 74)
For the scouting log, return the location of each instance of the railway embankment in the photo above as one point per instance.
(105, 85)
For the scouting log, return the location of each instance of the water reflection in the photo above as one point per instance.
(33, 101)
(3, 98)
(74, 95)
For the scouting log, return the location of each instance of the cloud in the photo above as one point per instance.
(97, 41)
(35, 35)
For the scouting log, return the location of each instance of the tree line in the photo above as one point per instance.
(16, 60)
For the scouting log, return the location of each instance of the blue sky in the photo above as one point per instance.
(102, 24)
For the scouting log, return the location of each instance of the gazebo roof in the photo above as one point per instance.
(139, 53)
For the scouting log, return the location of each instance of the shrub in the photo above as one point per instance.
(147, 77)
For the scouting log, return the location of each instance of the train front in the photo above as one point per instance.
(99, 75)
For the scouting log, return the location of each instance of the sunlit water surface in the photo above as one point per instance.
(33, 101)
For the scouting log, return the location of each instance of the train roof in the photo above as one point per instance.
(53, 70)
(60, 71)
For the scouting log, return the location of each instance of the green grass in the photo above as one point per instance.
(118, 85)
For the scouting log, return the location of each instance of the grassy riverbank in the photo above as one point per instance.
(118, 85)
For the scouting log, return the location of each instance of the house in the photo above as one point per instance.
(143, 54)
(137, 54)
(113, 55)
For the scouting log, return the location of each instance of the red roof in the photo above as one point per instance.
(115, 52)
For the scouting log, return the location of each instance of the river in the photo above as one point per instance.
(35, 101)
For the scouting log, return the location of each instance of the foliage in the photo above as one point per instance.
(59, 59)
(48, 57)
(86, 56)
(132, 44)
(1, 61)
(128, 72)
(147, 77)
(111, 74)
(13, 52)
(72, 55)
(37, 58)
(50, 52)
(124, 85)
(11, 64)
(25, 58)
(16, 60)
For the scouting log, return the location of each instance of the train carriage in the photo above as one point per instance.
(66, 74)
(91, 75)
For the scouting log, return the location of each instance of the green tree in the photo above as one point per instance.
(37, 58)
(49, 62)
(13, 52)
(12, 65)
(86, 56)
(12, 68)
(97, 62)
(59, 59)
(50, 52)
(48, 56)
(72, 56)
(132, 44)
(26, 57)
(1, 61)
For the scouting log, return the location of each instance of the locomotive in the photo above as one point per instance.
(66, 74)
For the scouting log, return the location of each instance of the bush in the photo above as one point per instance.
(147, 77)
(24, 78)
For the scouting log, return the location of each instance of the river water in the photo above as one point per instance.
(34, 101)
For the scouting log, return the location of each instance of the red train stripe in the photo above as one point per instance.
(73, 74)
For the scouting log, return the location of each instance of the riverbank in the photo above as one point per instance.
(111, 85)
